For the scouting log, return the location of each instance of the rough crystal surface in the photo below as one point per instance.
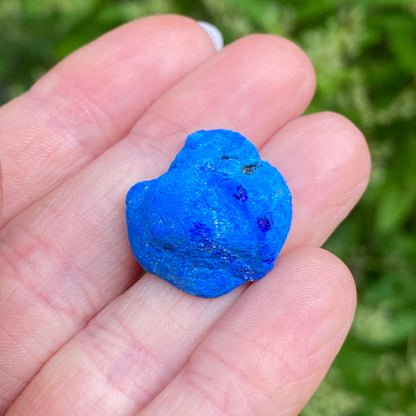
(217, 219)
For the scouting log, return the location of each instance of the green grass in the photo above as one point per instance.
(364, 52)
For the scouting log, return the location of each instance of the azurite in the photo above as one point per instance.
(217, 219)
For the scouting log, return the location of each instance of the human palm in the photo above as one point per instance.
(79, 333)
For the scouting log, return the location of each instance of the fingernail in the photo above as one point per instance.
(214, 33)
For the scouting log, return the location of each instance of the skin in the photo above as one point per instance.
(79, 333)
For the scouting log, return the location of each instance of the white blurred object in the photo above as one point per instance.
(214, 34)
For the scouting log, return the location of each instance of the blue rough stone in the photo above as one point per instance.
(217, 219)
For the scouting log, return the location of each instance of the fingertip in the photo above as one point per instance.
(306, 306)
(295, 57)
(196, 38)
(334, 276)
(326, 162)
(351, 140)
(286, 60)
(307, 278)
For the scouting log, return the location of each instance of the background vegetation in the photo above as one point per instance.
(364, 52)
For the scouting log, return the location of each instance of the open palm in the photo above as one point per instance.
(79, 333)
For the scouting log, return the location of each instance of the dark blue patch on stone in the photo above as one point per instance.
(217, 219)
(241, 194)
(264, 224)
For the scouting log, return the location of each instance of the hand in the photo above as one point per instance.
(79, 334)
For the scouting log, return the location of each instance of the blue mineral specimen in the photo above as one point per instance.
(217, 219)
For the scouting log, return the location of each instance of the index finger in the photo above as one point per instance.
(90, 101)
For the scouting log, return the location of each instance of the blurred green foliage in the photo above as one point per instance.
(364, 52)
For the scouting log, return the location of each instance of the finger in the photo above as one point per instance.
(147, 334)
(68, 255)
(327, 176)
(269, 353)
(90, 101)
